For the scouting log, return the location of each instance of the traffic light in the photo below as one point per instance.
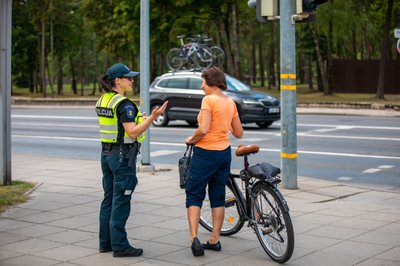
(266, 10)
(308, 6)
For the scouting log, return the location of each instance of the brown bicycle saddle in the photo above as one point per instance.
(246, 149)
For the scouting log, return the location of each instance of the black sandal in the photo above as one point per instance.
(197, 247)
(215, 247)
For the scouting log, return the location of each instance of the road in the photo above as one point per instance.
(357, 149)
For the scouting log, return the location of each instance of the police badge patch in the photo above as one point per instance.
(130, 111)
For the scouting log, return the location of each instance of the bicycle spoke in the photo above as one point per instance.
(232, 222)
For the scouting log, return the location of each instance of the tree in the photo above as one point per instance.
(384, 52)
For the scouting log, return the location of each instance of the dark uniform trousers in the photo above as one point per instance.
(119, 182)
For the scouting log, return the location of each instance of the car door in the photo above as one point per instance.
(175, 92)
(195, 97)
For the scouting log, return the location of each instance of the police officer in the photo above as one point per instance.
(121, 126)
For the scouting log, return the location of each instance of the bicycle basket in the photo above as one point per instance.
(264, 171)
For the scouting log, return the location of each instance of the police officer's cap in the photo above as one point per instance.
(119, 71)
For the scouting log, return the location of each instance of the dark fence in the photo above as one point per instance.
(361, 76)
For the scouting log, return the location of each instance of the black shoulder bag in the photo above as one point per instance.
(184, 166)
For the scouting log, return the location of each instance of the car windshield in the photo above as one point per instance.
(236, 85)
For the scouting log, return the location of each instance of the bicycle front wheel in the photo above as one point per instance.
(271, 223)
(203, 58)
(175, 59)
(232, 221)
(218, 56)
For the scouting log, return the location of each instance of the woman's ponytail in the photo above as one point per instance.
(105, 84)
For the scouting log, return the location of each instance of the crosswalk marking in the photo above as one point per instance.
(371, 170)
(385, 166)
(344, 178)
(162, 153)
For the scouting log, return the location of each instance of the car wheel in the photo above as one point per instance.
(162, 120)
(192, 123)
(264, 124)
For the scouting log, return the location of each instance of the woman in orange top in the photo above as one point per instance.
(211, 161)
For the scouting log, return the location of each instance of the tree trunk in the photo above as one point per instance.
(309, 74)
(82, 68)
(73, 85)
(271, 61)
(384, 53)
(262, 77)
(43, 60)
(96, 62)
(319, 78)
(32, 81)
(320, 63)
(301, 71)
(235, 38)
(60, 74)
(329, 88)
(364, 54)
(51, 71)
(277, 65)
(224, 36)
(253, 72)
(49, 77)
(36, 71)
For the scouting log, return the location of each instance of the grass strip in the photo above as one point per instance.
(14, 194)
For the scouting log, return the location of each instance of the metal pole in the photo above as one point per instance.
(5, 90)
(288, 95)
(145, 74)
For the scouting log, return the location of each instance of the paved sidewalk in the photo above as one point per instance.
(334, 224)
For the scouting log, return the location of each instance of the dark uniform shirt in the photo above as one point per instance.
(126, 112)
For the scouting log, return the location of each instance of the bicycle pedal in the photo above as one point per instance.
(268, 231)
(230, 202)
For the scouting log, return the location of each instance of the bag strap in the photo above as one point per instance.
(189, 147)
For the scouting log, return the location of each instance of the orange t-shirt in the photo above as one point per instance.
(223, 110)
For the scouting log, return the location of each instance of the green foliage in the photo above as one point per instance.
(90, 35)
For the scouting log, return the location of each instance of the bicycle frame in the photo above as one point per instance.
(245, 201)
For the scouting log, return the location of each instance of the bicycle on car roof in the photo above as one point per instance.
(194, 54)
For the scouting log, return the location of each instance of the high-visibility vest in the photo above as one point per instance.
(106, 108)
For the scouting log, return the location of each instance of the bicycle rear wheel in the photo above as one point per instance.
(175, 59)
(232, 222)
(218, 56)
(272, 224)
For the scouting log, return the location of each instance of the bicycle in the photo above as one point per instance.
(189, 54)
(217, 52)
(262, 206)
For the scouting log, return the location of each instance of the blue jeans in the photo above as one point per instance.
(210, 168)
(119, 182)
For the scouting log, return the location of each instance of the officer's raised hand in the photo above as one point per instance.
(159, 110)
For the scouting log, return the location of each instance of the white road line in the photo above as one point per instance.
(333, 129)
(52, 125)
(344, 178)
(55, 117)
(345, 137)
(162, 153)
(253, 140)
(55, 138)
(385, 166)
(371, 170)
(233, 147)
(363, 127)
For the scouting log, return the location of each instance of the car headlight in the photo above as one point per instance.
(251, 102)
